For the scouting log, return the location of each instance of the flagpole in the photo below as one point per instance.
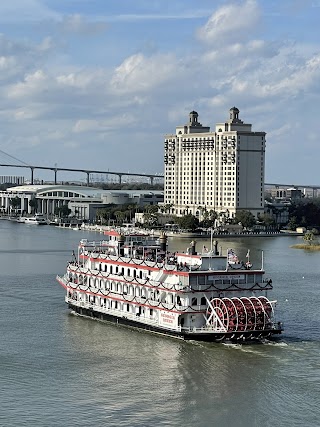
(227, 259)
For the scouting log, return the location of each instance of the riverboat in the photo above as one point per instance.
(134, 280)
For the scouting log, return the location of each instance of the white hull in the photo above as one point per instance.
(36, 220)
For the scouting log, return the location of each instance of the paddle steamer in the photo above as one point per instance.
(134, 280)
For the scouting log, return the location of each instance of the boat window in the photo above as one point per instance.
(201, 280)
(203, 301)
(125, 289)
(178, 300)
(194, 301)
(250, 278)
(151, 312)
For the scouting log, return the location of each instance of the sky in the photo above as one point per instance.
(96, 84)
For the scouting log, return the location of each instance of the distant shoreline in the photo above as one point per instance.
(306, 247)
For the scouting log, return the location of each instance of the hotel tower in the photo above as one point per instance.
(221, 171)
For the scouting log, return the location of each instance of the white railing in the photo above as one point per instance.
(112, 312)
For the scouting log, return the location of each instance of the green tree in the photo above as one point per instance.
(151, 215)
(62, 211)
(103, 215)
(267, 220)
(33, 203)
(309, 238)
(246, 218)
(119, 216)
(306, 212)
(292, 224)
(15, 203)
(188, 222)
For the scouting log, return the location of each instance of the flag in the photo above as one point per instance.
(232, 256)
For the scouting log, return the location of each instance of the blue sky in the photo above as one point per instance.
(98, 83)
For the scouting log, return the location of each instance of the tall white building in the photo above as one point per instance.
(221, 170)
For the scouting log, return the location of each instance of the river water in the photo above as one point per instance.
(57, 369)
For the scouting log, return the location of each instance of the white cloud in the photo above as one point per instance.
(106, 125)
(54, 97)
(231, 23)
(32, 83)
(79, 24)
(14, 11)
(138, 73)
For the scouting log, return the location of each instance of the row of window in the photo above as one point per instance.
(154, 296)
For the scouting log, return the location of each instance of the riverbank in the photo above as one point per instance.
(190, 235)
(306, 247)
(97, 228)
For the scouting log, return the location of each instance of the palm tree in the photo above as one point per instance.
(15, 203)
(33, 203)
(119, 216)
(151, 214)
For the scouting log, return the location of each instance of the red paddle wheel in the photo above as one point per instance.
(240, 314)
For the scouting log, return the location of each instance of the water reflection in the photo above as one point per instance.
(59, 369)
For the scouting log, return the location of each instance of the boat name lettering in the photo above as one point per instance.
(169, 318)
(226, 277)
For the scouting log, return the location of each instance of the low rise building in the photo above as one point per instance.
(83, 201)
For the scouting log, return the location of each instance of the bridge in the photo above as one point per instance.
(88, 172)
(152, 177)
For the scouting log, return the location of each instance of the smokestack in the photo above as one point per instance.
(215, 245)
(120, 245)
(163, 242)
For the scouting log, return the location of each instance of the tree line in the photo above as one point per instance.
(302, 213)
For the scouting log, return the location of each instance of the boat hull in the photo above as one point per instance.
(185, 335)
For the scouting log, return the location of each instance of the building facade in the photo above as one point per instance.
(11, 179)
(83, 201)
(220, 170)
